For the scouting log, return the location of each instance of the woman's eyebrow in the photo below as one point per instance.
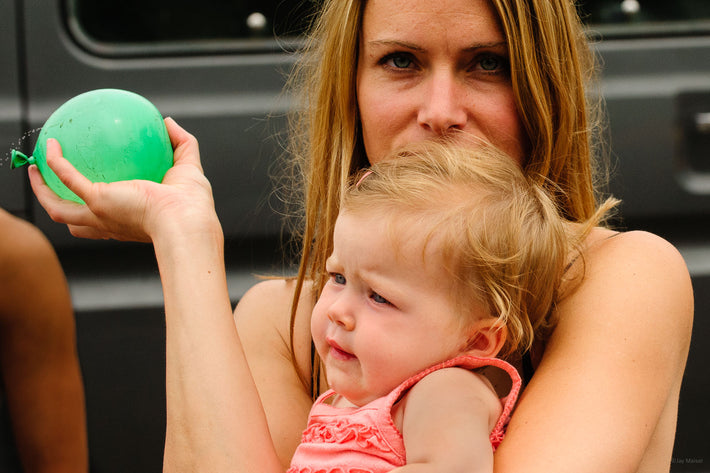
(491, 45)
(403, 44)
(395, 43)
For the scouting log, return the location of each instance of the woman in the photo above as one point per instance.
(389, 72)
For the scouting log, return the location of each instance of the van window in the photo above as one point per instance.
(646, 17)
(111, 27)
(130, 21)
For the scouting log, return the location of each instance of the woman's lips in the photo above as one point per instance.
(338, 353)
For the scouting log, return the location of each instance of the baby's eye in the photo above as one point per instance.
(379, 299)
(337, 278)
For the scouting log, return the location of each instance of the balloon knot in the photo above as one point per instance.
(19, 159)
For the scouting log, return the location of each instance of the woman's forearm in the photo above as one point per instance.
(215, 421)
(215, 418)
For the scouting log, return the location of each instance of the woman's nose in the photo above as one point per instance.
(341, 312)
(443, 107)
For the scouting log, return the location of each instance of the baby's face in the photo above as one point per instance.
(386, 312)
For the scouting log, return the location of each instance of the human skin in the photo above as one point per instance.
(386, 313)
(590, 406)
(430, 68)
(42, 382)
(627, 319)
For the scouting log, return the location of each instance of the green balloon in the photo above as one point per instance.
(108, 135)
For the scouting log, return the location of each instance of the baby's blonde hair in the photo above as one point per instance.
(500, 235)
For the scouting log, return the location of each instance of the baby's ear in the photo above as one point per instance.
(486, 339)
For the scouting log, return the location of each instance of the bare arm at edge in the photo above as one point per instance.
(604, 397)
(38, 354)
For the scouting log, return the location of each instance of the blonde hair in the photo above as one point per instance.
(498, 232)
(550, 67)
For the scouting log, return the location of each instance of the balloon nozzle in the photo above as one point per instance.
(19, 159)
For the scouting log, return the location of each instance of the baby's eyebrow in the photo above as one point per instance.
(331, 263)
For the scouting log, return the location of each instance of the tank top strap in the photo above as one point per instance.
(469, 362)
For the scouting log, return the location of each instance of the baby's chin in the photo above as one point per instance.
(354, 396)
(352, 400)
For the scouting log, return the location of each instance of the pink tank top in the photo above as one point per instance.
(365, 440)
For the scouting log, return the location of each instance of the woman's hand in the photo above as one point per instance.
(135, 210)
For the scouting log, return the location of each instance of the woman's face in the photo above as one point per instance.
(430, 67)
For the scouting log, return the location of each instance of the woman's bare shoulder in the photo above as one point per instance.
(641, 253)
(269, 303)
(636, 293)
(263, 318)
(626, 326)
(266, 302)
(604, 238)
(633, 268)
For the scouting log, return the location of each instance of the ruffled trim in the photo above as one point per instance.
(342, 431)
(496, 438)
(308, 469)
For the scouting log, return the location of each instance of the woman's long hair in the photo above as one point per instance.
(551, 66)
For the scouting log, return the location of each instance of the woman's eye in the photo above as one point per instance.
(398, 61)
(492, 63)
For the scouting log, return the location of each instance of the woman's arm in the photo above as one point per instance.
(604, 397)
(215, 421)
(38, 357)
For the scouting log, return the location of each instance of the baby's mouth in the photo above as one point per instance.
(337, 352)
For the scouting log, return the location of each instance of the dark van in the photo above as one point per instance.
(218, 68)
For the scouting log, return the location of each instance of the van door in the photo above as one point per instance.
(656, 83)
(12, 188)
(215, 67)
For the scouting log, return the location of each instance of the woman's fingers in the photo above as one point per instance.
(135, 210)
(66, 172)
(58, 209)
(39, 187)
(93, 233)
(185, 146)
(96, 219)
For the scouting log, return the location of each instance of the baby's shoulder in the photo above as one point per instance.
(456, 379)
(448, 393)
(453, 385)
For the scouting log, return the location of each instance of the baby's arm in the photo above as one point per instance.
(446, 420)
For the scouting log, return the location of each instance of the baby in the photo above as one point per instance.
(443, 259)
